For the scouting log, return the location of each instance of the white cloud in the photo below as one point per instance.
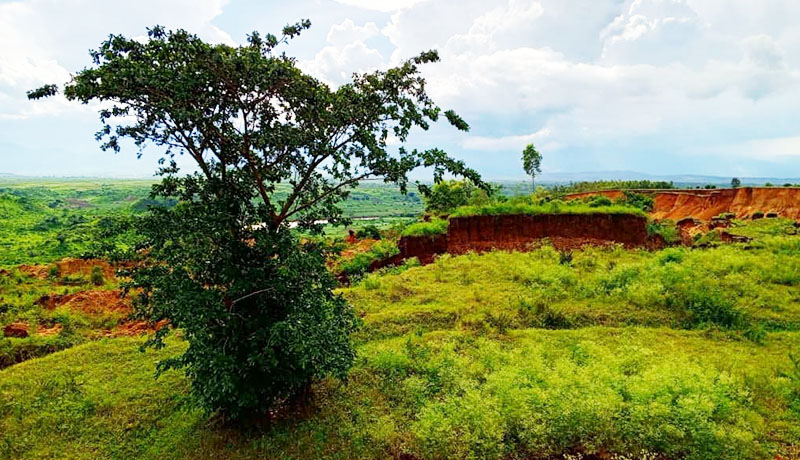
(595, 76)
(780, 148)
(507, 142)
(660, 69)
(336, 65)
(40, 46)
(347, 32)
(346, 53)
(385, 6)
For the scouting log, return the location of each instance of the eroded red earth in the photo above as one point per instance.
(704, 205)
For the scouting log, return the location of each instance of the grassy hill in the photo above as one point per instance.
(681, 353)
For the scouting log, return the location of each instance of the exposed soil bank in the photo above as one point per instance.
(518, 232)
(705, 204)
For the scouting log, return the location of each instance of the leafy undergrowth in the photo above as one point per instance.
(680, 353)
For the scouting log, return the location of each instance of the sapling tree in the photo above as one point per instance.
(531, 163)
(271, 145)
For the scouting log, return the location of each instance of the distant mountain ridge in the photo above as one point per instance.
(544, 178)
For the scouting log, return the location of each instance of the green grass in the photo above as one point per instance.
(552, 207)
(675, 354)
(433, 227)
(448, 394)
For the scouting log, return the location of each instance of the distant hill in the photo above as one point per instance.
(678, 179)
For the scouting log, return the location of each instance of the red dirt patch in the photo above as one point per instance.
(68, 267)
(357, 248)
(19, 330)
(42, 331)
(135, 328)
(89, 302)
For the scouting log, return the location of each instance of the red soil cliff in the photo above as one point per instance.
(480, 233)
(484, 233)
(705, 204)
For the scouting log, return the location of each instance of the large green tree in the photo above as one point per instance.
(271, 144)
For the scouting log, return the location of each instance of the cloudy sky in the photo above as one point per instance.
(655, 86)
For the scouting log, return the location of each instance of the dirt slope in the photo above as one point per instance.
(705, 204)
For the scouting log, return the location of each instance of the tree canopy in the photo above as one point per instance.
(250, 108)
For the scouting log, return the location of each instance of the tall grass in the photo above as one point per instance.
(551, 207)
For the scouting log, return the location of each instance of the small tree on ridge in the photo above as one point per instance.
(531, 162)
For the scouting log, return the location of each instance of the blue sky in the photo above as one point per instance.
(655, 86)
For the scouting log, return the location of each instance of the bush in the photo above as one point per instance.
(97, 276)
(369, 231)
(360, 263)
(666, 229)
(599, 200)
(448, 195)
(432, 228)
(704, 303)
(637, 200)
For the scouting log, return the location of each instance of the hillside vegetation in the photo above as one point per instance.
(680, 353)
(43, 221)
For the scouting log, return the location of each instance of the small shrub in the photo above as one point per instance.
(54, 271)
(671, 256)
(756, 333)
(598, 201)
(637, 200)
(97, 276)
(360, 263)
(371, 283)
(705, 303)
(666, 229)
(502, 322)
(369, 231)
